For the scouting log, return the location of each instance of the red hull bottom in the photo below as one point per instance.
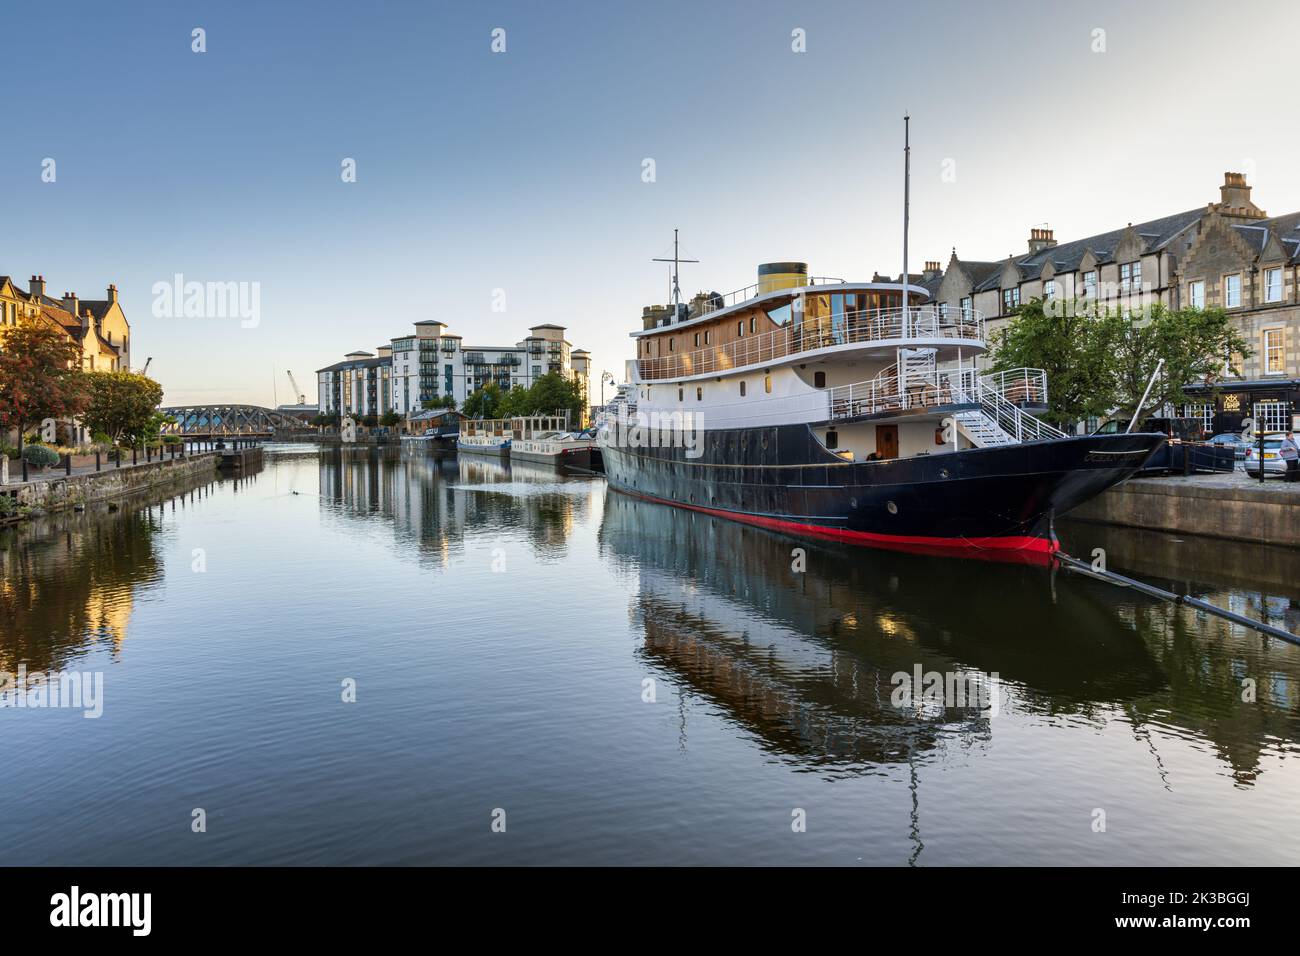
(1019, 549)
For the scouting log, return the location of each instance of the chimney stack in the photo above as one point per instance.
(932, 269)
(72, 304)
(37, 286)
(112, 293)
(1040, 239)
(1234, 193)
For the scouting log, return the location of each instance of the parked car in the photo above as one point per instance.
(1273, 463)
(1235, 440)
(1180, 429)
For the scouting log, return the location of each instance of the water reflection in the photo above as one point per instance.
(435, 501)
(69, 582)
(803, 661)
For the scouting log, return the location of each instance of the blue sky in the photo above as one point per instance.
(521, 170)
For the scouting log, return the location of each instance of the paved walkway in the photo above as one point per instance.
(81, 465)
(1236, 481)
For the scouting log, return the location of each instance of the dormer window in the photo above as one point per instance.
(1090, 284)
(1049, 289)
(1010, 299)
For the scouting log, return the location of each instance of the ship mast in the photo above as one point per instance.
(676, 289)
(907, 186)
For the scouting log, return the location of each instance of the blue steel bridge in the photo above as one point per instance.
(228, 421)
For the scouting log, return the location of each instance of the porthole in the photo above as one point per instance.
(891, 507)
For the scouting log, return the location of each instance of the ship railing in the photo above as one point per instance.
(890, 392)
(1020, 386)
(849, 327)
(725, 300)
(997, 396)
(1001, 396)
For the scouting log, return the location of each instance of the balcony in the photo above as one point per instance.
(848, 328)
(1001, 397)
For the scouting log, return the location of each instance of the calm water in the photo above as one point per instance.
(504, 627)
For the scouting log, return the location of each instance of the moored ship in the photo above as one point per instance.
(490, 436)
(849, 410)
(547, 440)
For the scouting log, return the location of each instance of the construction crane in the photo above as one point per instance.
(147, 363)
(302, 396)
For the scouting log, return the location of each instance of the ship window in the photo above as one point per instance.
(752, 326)
(699, 393)
(740, 329)
(767, 384)
(832, 439)
(742, 389)
(708, 336)
(671, 340)
(819, 379)
(679, 394)
(697, 340)
(780, 316)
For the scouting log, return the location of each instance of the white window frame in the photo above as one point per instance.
(1196, 294)
(1227, 291)
(1090, 284)
(1270, 349)
(1269, 276)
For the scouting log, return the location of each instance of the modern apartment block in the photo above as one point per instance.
(1228, 254)
(359, 385)
(432, 362)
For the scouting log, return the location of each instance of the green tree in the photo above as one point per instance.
(485, 402)
(442, 401)
(40, 376)
(124, 406)
(552, 394)
(390, 418)
(1071, 346)
(1195, 344)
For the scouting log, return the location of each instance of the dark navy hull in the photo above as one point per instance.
(997, 498)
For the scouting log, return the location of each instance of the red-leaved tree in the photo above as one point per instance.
(40, 376)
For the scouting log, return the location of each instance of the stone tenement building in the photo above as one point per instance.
(97, 326)
(1228, 254)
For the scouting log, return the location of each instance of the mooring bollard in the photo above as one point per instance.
(67, 463)
(97, 467)
(135, 460)
(24, 469)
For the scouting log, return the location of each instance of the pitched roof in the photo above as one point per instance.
(1285, 228)
(355, 363)
(1066, 256)
(98, 307)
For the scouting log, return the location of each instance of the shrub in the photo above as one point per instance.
(40, 457)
